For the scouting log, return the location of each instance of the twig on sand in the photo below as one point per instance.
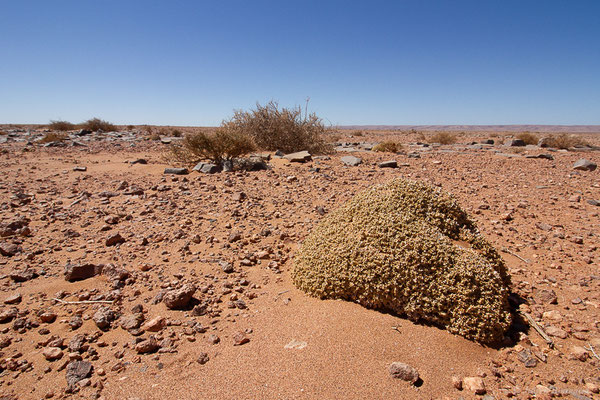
(280, 293)
(396, 328)
(539, 329)
(591, 348)
(84, 301)
(507, 251)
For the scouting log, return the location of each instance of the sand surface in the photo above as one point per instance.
(535, 210)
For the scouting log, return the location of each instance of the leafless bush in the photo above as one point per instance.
(61, 126)
(565, 141)
(388, 147)
(226, 143)
(443, 138)
(96, 124)
(53, 137)
(528, 137)
(283, 129)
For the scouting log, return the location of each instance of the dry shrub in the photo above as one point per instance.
(388, 146)
(97, 124)
(420, 136)
(176, 132)
(528, 137)
(443, 138)
(53, 137)
(283, 129)
(565, 141)
(61, 126)
(357, 134)
(394, 247)
(333, 138)
(225, 144)
(130, 127)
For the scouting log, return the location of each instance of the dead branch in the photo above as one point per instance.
(538, 328)
(507, 251)
(84, 301)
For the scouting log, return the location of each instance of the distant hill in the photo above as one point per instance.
(484, 128)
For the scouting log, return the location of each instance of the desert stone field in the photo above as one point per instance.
(399, 264)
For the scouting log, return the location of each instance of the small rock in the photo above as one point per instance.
(203, 358)
(156, 324)
(52, 353)
(404, 372)
(388, 164)
(527, 358)
(78, 370)
(179, 298)
(48, 317)
(103, 317)
(234, 237)
(474, 384)
(456, 381)
(556, 332)
(351, 161)
(8, 315)
(149, 345)
(239, 196)
(240, 338)
(547, 296)
(80, 169)
(176, 171)
(9, 249)
(295, 345)
(78, 272)
(115, 239)
(578, 353)
(131, 321)
(514, 143)
(13, 299)
(301, 156)
(584, 165)
(227, 267)
(207, 168)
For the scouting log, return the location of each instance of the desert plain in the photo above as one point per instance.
(121, 281)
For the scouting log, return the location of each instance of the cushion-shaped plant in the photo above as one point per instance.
(409, 248)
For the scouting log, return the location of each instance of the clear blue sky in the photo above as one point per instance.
(375, 62)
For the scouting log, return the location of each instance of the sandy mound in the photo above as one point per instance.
(408, 247)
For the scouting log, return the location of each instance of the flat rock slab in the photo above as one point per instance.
(388, 164)
(351, 161)
(301, 156)
(79, 272)
(514, 143)
(206, 168)
(584, 165)
(176, 171)
(78, 370)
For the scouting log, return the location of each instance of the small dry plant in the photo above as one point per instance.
(443, 138)
(53, 137)
(388, 146)
(97, 124)
(565, 141)
(61, 126)
(225, 144)
(528, 137)
(285, 129)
